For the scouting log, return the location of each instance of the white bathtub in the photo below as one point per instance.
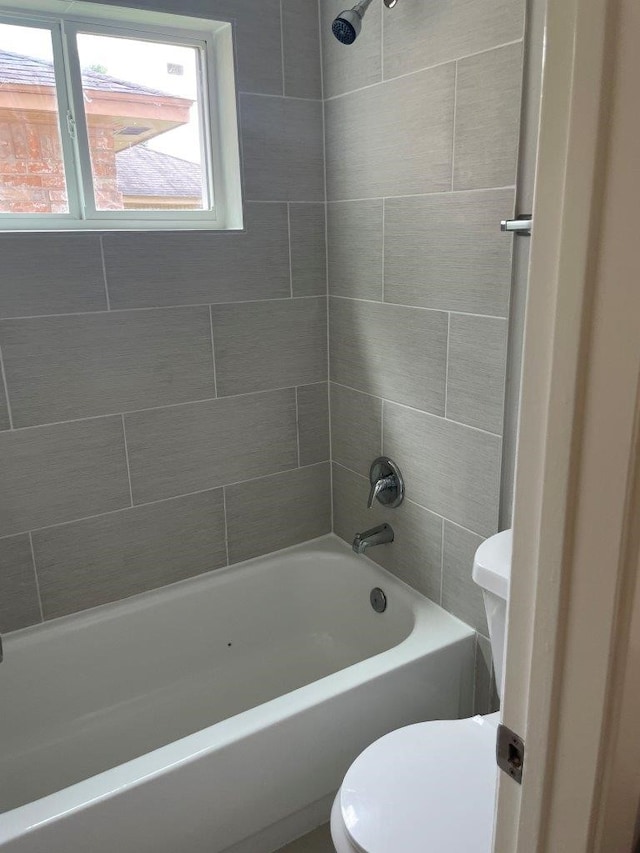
(220, 713)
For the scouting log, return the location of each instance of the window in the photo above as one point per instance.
(116, 119)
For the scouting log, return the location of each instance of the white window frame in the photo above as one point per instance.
(218, 109)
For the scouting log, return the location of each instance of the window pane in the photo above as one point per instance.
(145, 129)
(32, 178)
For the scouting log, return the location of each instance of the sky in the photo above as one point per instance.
(139, 62)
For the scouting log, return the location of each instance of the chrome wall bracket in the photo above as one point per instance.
(521, 225)
(387, 485)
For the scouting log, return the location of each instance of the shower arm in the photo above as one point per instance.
(361, 7)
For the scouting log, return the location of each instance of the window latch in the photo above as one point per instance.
(71, 125)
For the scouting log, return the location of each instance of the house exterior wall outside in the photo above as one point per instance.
(422, 120)
(31, 168)
(163, 408)
(32, 176)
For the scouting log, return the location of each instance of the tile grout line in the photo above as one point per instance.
(298, 426)
(284, 91)
(420, 411)
(422, 70)
(290, 249)
(5, 385)
(226, 524)
(251, 394)
(453, 135)
(384, 211)
(326, 261)
(432, 194)
(213, 354)
(163, 500)
(142, 308)
(35, 573)
(442, 562)
(287, 97)
(446, 368)
(104, 274)
(381, 43)
(167, 406)
(321, 51)
(126, 455)
(416, 307)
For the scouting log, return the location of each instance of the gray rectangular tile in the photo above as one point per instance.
(313, 423)
(301, 47)
(19, 602)
(349, 67)
(488, 95)
(276, 512)
(148, 270)
(263, 345)
(476, 372)
(389, 351)
(392, 139)
(447, 252)
(104, 559)
(356, 428)
(354, 236)
(283, 154)
(256, 35)
(199, 446)
(59, 368)
(258, 43)
(308, 249)
(414, 556)
(452, 470)
(483, 676)
(51, 274)
(257, 38)
(57, 473)
(460, 594)
(418, 35)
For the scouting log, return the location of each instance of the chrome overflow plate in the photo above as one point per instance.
(378, 600)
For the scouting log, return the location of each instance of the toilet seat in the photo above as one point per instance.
(422, 788)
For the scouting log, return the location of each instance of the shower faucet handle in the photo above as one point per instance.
(379, 486)
(387, 485)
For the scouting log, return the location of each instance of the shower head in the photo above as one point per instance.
(348, 24)
(346, 27)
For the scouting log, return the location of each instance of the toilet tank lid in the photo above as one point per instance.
(492, 564)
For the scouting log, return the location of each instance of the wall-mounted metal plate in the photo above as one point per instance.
(378, 600)
(387, 485)
(510, 753)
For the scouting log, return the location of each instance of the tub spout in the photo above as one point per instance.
(380, 535)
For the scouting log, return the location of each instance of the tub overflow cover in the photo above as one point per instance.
(378, 600)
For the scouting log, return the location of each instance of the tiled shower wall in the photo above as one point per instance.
(164, 398)
(421, 132)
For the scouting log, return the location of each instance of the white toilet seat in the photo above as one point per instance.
(424, 788)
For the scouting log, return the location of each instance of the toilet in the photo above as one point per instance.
(430, 787)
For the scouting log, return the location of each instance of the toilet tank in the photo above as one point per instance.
(492, 571)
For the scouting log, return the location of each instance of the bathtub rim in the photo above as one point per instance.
(183, 751)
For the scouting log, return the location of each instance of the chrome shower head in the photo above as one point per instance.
(346, 27)
(348, 24)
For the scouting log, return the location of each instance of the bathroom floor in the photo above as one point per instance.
(318, 841)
